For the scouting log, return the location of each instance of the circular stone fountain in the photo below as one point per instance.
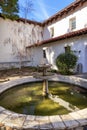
(61, 122)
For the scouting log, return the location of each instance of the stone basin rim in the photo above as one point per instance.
(11, 83)
(31, 79)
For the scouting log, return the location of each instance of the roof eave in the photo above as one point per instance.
(62, 37)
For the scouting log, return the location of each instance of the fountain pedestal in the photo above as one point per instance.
(45, 87)
(45, 77)
(44, 67)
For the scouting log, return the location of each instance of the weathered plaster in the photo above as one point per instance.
(15, 37)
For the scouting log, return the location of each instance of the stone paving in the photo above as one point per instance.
(73, 121)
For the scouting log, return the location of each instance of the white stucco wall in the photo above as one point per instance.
(46, 33)
(62, 26)
(54, 49)
(14, 37)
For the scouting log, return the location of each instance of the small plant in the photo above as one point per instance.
(66, 62)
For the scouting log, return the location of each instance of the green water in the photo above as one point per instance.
(28, 99)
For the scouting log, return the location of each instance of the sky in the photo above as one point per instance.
(43, 9)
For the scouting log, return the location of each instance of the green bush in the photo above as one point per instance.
(66, 62)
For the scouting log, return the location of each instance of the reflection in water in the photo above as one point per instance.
(28, 99)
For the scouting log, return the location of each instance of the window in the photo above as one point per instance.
(67, 49)
(44, 53)
(52, 31)
(72, 23)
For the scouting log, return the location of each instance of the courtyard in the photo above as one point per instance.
(43, 66)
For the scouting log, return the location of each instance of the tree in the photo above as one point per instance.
(26, 7)
(66, 62)
(9, 8)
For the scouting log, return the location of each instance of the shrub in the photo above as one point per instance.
(66, 62)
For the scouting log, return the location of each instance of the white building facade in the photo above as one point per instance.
(61, 28)
(20, 41)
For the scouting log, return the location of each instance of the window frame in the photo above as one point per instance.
(52, 31)
(72, 23)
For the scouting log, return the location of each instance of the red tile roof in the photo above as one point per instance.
(24, 20)
(61, 37)
(71, 8)
(29, 21)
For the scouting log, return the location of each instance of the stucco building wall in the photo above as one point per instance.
(61, 26)
(14, 37)
(78, 46)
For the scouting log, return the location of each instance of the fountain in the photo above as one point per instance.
(44, 66)
(27, 98)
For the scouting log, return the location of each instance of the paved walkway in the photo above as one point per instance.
(83, 75)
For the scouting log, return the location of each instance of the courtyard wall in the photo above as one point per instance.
(14, 37)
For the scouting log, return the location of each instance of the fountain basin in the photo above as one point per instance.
(71, 120)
